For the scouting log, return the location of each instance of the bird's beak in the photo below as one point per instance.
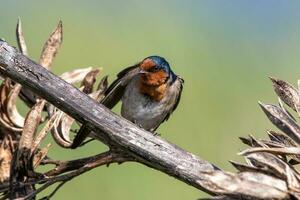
(143, 72)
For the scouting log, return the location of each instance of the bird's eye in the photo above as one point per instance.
(154, 69)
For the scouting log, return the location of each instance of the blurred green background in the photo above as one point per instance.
(225, 50)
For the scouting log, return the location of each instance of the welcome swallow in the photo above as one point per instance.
(150, 91)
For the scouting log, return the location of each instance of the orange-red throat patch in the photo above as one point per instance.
(154, 84)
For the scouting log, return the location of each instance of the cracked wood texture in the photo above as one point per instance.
(110, 128)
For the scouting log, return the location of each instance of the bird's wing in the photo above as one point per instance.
(116, 90)
(178, 90)
(113, 94)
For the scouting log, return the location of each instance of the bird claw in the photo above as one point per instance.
(151, 130)
(136, 123)
(156, 134)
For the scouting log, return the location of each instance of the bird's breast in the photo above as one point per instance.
(140, 108)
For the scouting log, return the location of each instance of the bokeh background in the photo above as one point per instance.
(225, 50)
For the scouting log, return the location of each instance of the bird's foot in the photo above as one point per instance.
(156, 134)
(136, 123)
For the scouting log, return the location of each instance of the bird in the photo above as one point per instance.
(149, 90)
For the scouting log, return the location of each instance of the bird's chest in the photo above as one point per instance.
(140, 108)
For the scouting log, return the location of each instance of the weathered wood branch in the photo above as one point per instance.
(151, 150)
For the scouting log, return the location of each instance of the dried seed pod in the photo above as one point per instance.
(76, 75)
(51, 46)
(287, 93)
(89, 81)
(12, 112)
(20, 38)
(284, 122)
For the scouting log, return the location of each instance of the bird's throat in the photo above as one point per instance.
(156, 92)
(154, 85)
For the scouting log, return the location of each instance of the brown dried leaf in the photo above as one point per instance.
(5, 89)
(251, 141)
(246, 185)
(42, 134)
(280, 138)
(264, 179)
(5, 159)
(248, 168)
(32, 121)
(60, 134)
(12, 112)
(284, 141)
(268, 162)
(76, 75)
(276, 151)
(271, 163)
(40, 155)
(272, 144)
(103, 84)
(100, 93)
(284, 122)
(51, 46)
(288, 93)
(20, 38)
(280, 103)
(5, 121)
(292, 180)
(89, 81)
(64, 126)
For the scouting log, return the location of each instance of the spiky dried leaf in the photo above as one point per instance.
(284, 122)
(20, 38)
(42, 134)
(89, 81)
(250, 185)
(281, 138)
(51, 46)
(12, 112)
(76, 75)
(6, 119)
(251, 141)
(100, 93)
(249, 168)
(6, 154)
(32, 121)
(269, 162)
(292, 180)
(288, 93)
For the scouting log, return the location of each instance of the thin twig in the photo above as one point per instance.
(105, 158)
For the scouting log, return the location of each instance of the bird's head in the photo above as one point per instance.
(155, 71)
